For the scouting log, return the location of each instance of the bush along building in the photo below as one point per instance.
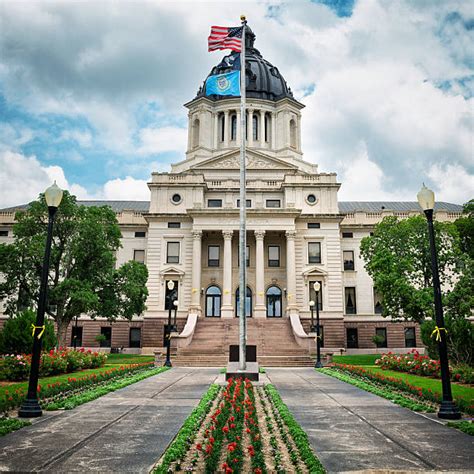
(298, 233)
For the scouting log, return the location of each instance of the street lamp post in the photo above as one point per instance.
(30, 408)
(448, 409)
(311, 307)
(317, 287)
(170, 286)
(175, 304)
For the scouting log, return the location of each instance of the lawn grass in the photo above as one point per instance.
(121, 359)
(362, 359)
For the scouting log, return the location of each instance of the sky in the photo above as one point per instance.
(92, 93)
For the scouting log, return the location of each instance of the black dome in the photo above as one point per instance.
(263, 80)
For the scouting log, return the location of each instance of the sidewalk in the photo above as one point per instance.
(353, 430)
(124, 431)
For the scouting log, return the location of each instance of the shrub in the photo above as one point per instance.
(14, 367)
(16, 335)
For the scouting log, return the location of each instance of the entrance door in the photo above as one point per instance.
(274, 302)
(248, 303)
(352, 338)
(213, 302)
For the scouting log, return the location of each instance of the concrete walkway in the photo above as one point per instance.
(353, 430)
(124, 431)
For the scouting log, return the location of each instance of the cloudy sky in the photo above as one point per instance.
(91, 93)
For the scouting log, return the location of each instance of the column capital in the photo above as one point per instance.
(290, 234)
(226, 112)
(250, 111)
(259, 234)
(227, 234)
(197, 234)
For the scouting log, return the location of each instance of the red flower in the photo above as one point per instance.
(208, 448)
(211, 439)
(232, 425)
(199, 446)
(225, 429)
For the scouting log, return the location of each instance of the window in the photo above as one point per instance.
(214, 203)
(273, 255)
(248, 303)
(135, 338)
(248, 202)
(314, 252)
(273, 203)
(139, 256)
(222, 128)
(213, 302)
(410, 337)
(172, 252)
(77, 335)
(348, 257)
(247, 256)
(176, 198)
(3, 233)
(107, 332)
(196, 128)
(267, 128)
(233, 127)
(350, 300)
(213, 255)
(311, 199)
(292, 133)
(378, 308)
(171, 295)
(274, 302)
(382, 334)
(347, 235)
(312, 294)
(314, 225)
(140, 234)
(174, 225)
(255, 127)
(352, 338)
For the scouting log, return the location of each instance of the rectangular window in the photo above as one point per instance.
(410, 337)
(314, 252)
(107, 332)
(139, 256)
(174, 225)
(347, 235)
(312, 294)
(3, 233)
(378, 308)
(382, 333)
(214, 203)
(213, 255)
(77, 335)
(352, 338)
(140, 234)
(170, 294)
(273, 203)
(135, 339)
(172, 252)
(247, 201)
(314, 225)
(273, 255)
(247, 256)
(350, 300)
(348, 256)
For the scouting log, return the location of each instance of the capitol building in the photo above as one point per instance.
(298, 233)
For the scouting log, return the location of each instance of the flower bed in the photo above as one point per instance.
(53, 392)
(240, 429)
(414, 363)
(17, 367)
(401, 386)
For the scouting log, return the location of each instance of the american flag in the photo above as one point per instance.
(222, 37)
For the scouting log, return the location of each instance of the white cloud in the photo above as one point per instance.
(126, 189)
(452, 183)
(158, 140)
(83, 138)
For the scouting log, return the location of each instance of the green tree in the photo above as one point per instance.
(82, 277)
(397, 257)
(465, 226)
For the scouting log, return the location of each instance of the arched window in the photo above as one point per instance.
(196, 133)
(221, 127)
(255, 127)
(274, 302)
(267, 127)
(213, 301)
(233, 127)
(248, 303)
(292, 133)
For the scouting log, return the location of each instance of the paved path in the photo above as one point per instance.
(124, 431)
(353, 430)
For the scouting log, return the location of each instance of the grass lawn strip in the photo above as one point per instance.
(464, 426)
(7, 425)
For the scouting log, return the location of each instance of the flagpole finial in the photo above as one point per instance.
(243, 18)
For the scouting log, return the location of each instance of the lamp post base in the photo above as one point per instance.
(167, 363)
(319, 364)
(30, 408)
(449, 411)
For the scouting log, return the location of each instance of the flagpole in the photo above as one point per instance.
(243, 211)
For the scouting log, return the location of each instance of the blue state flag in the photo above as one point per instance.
(224, 84)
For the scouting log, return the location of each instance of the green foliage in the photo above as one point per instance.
(7, 425)
(82, 277)
(16, 335)
(378, 340)
(464, 426)
(363, 359)
(465, 226)
(398, 259)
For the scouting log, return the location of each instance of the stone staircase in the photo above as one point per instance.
(276, 346)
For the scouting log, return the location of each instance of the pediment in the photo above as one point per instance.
(314, 272)
(171, 272)
(254, 161)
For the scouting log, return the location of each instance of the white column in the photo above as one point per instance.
(262, 128)
(216, 130)
(227, 310)
(260, 309)
(250, 128)
(226, 129)
(290, 271)
(196, 273)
